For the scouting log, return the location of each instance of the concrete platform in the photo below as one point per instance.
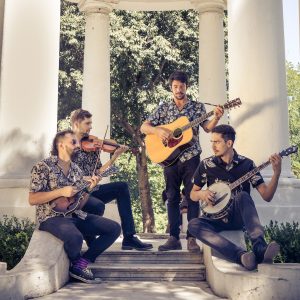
(134, 291)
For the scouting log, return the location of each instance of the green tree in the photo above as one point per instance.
(146, 47)
(293, 90)
(70, 59)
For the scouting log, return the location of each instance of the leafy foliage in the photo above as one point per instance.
(293, 89)
(70, 76)
(127, 166)
(287, 235)
(15, 235)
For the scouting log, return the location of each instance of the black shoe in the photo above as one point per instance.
(171, 244)
(85, 275)
(271, 251)
(248, 260)
(134, 242)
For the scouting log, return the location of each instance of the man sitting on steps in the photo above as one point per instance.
(228, 166)
(56, 177)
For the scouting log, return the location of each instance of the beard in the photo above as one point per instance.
(179, 96)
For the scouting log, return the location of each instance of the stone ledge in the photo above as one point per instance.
(43, 269)
(230, 280)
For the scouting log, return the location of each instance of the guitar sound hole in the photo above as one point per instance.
(177, 133)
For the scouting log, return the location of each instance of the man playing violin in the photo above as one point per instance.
(55, 177)
(183, 169)
(227, 166)
(90, 164)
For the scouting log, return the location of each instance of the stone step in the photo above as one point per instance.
(151, 257)
(144, 272)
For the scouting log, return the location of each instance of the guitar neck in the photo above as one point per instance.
(197, 121)
(248, 175)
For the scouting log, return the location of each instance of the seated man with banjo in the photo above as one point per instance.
(227, 204)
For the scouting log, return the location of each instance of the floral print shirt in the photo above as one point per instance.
(213, 169)
(47, 176)
(87, 161)
(168, 112)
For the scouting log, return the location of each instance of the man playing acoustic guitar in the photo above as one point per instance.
(184, 167)
(228, 166)
(89, 162)
(56, 177)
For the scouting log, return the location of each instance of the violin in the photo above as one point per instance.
(92, 143)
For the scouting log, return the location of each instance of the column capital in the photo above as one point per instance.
(217, 6)
(97, 6)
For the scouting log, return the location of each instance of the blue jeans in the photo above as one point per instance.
(175, 175)
(105, 194)
(72, 229)
(243, 214)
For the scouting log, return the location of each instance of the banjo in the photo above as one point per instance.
(223, 190)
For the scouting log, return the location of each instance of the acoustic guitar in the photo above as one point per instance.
(67, 205)
(223, 190)
(166, 153)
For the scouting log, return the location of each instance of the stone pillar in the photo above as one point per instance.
(29, 91)
(212, 82)
(257, 75)
(96, 74)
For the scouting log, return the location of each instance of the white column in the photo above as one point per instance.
(257, 75)
(212, 82)
(29, 92)
(96, 74)
(29, 84)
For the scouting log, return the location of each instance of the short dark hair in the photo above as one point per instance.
(79, 115)
(227, 132)
(58, 137)
(180, 76)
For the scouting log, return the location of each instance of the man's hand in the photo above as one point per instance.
(68, 191)
(121, 150)
(94, 180)
(207, 196)
(218, 112)
(163, 133)
(275, 160)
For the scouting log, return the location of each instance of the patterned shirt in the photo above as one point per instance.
(47, 176)
(214, 169)
(168, 112)
(86, 161)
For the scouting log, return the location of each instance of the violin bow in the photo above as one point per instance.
(99, 152)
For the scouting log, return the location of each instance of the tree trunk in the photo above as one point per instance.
(144, 191)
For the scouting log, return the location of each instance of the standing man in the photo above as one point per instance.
(56, 177)
(227, 165)
(81, 121)
(183, 169)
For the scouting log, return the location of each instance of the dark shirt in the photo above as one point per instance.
(168, 112)
(47, 176)
(88, 162)
(214, 169)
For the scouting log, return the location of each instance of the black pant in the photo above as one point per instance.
(105, 194)
(243, 214)
(71, 231)
(175, 175)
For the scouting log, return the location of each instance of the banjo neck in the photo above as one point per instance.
(248, 175)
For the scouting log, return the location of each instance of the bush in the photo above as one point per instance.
(15, 235)
(287, 236)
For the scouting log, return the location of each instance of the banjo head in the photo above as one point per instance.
(222, 196)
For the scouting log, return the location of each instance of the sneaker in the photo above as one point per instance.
(248, 260)
(192, 245)
(271, 251)
(80, 271)
(171, 244)
(134, 242)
